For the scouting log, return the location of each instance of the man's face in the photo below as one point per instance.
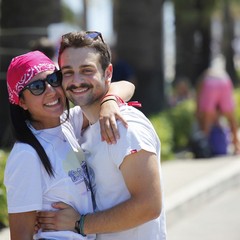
(84, 81)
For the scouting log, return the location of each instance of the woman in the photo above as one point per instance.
(46, 163)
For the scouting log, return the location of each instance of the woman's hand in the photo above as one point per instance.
(109, 114)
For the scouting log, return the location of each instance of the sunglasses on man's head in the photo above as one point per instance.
(94, 35)
(89, 34)
(39, 86)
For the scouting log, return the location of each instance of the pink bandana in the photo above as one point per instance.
(22, 69)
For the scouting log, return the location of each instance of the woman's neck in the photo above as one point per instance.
(39, 125)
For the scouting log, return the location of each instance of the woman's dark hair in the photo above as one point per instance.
(23, 134)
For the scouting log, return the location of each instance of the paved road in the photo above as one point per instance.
(218, 219)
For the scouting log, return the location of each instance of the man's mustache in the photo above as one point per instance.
(83, 85)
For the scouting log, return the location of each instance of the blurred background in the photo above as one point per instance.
(156, 44)
(162, 46)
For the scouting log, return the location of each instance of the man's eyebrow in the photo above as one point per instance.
(85, 65)
(65, 67)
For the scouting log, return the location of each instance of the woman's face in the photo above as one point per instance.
(46, 108)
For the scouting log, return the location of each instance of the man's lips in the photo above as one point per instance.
(79, 90)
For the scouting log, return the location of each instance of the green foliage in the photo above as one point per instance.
(237, 100)
(174, 127)
(165, 133)
(3, 198)
(69, 16)
(181, 118)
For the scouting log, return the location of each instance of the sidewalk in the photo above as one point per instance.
(189, 183)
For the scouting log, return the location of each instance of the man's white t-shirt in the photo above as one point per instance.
(104, 161)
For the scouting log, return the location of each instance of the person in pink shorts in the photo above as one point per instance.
(215, 99)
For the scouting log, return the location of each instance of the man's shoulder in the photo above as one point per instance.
(133, 114)
(131, 110)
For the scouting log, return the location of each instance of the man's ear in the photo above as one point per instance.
(22, 103)
(108, 73)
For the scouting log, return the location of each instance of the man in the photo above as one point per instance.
(126, 176)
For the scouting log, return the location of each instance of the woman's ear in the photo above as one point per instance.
(22, 103)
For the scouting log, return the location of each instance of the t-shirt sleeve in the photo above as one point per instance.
(133, 139)
(22, 179)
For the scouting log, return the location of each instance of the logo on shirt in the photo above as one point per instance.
(80, 175)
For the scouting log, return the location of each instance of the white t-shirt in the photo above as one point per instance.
(108, 183)
(29, 187)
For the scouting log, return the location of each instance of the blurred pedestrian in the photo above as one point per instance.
(181, 92)
(215, 100)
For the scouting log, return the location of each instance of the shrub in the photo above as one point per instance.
(181, 118)
(3, 198)
(237, 101)
(174, 127)
(164, 131)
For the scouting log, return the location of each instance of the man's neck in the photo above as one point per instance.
(92, 112)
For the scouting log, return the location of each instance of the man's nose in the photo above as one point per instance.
(77, 78)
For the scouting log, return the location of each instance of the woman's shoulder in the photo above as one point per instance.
(20, 148)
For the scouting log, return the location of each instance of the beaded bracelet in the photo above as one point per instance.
(79, 225)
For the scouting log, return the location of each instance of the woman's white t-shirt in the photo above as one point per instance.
(30, 188)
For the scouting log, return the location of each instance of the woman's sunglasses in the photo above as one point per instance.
(39, 86)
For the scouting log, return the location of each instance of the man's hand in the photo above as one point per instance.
(61, 220)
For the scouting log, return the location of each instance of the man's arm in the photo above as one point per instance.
(141, 174)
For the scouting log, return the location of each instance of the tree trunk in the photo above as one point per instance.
(138, 25)
(228, 51)
(21, 22)
(193, 37)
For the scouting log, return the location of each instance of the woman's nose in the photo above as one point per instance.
(50, 89)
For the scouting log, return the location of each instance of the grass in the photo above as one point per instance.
(3, 198)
